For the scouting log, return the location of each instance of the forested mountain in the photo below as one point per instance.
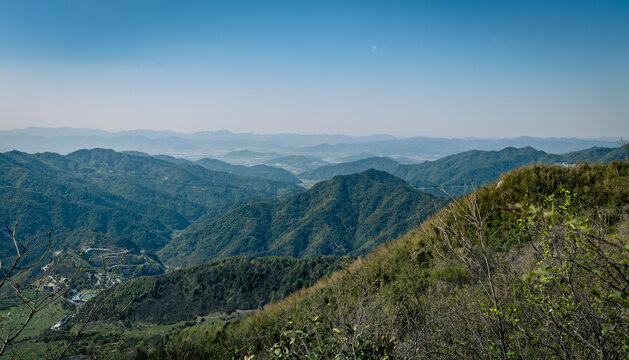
(263, 147)
(261, 171)
(115, 195)
(600, 154)
(349, 214)
(532, 267)
(221, 286)
(330, 171)
(459, 173)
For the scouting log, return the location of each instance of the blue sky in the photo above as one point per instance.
(407, 68)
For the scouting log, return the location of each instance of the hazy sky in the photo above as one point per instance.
(407, 68)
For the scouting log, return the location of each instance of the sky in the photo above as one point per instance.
(407, 68)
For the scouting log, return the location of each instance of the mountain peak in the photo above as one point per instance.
(381, 176)
(326, 172)
(348, 214)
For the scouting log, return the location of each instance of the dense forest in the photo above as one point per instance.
(260, 170)
(115, 194)
(347, 215)
(221, 286)
(459, 173)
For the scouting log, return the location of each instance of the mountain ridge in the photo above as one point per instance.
(116, 193)
(460, 173)
(204, 144)
(349, 214)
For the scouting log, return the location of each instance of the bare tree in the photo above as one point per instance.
(23, 299)
(461, 231)
(23, 302)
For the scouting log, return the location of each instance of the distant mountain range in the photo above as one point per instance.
(438, 147)
(347, 215)
(220, 143)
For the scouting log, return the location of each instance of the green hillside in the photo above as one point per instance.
(459, 173)
(115, 194)
(347, 215)
(261, 171)
(185, 180)
(221, 286)
(600, 154)
(533, 267)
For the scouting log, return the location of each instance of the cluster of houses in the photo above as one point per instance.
(103, 281)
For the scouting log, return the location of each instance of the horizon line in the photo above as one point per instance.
(394, 137)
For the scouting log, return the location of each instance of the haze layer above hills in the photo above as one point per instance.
(216, 144)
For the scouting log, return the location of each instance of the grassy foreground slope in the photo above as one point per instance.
(347, 215)
(536, 266)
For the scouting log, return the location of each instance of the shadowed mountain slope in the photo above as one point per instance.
(220, 286)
